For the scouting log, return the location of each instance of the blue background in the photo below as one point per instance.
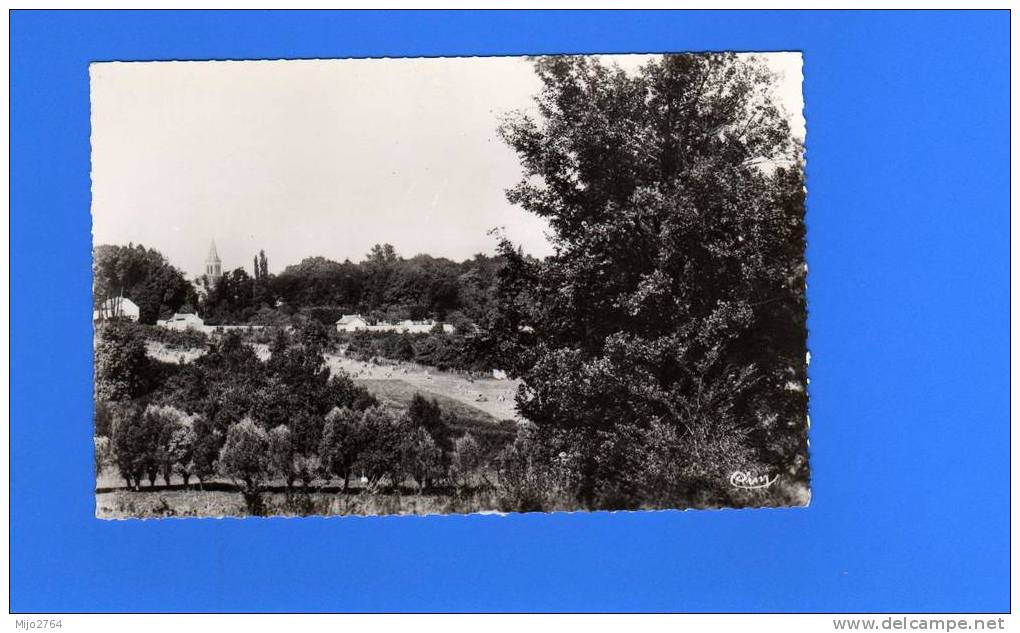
(908, 213)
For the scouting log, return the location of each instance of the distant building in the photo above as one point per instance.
(355, 323)
(116, 308)
(213, 265)
(182, 322)
(499, 374)
(420, 327)
(351, 323)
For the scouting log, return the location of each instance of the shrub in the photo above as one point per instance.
(523, 480)
(437, 349)
(244, 458)
(692, 467)
(173, 339)
(306, 467)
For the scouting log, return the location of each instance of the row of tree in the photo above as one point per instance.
(384, 286)
(160, 419)
(378, 444)
(435, 349)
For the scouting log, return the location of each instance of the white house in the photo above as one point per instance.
(351, 323)
(355, 323)
(116, 308)
(420, 327)
(182, 322)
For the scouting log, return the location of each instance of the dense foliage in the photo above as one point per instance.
(142, 275)
(231, 415)
(444, 351)
(384, 286)
(669, 326)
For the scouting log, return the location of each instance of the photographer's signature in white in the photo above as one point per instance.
(751, 481)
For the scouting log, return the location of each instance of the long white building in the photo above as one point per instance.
(358, 323)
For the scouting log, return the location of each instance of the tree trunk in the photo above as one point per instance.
(347, 481)
(186, 477)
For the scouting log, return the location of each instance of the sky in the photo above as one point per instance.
(319, 157)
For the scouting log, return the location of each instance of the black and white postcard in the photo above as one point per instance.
(449, 285)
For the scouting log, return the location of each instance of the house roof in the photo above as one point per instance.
(119, 302)
(349, 318)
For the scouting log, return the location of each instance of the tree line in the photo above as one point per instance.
(383, 286)
(229, 414)
(662, 347)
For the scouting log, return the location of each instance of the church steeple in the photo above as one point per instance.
(213, 266)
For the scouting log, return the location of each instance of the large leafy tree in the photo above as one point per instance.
(675, 297)
(123, 371)
(141, 274)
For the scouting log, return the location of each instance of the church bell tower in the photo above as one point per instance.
(213, 266)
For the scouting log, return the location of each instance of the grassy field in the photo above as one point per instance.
(481, 399)
(166, 503)
(495, 397)
(398, 394)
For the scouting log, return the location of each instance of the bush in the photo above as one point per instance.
(306, 467)
(173, 339)
(692, 468)
(244, 458)
(436, 349)
(523, 477)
